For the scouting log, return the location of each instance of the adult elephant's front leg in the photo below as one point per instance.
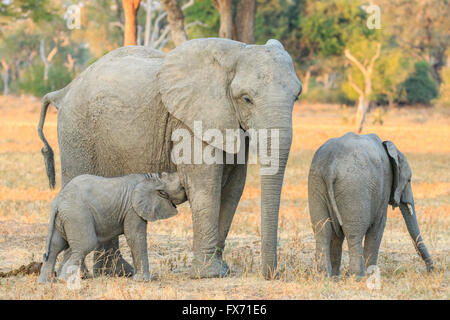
(233, 187)
(109, 261)
(203, 185)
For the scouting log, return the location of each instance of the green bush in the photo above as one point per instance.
(321, 95)
(33, 79)
(420, 87)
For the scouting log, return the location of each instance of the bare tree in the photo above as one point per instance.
(70, 62)
(176, 21)
(226, 17)
(242, 27)
(5, 77)
(364, 94)
(158, 35)
(148, 22)
(245, 21)
(47, 59)
(130, 8)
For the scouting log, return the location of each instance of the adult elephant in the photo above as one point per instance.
(117, 118)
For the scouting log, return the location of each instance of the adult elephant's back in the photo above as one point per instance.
(110, 119)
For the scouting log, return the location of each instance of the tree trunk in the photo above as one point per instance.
(5, 77)
(130, 8)
(226, 18)
(176, 21)
(364, 95)
(148, 23)
(305, 83)
(245, 21)
(363, 106)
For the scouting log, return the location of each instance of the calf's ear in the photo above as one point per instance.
(149, 204)
(400, 167)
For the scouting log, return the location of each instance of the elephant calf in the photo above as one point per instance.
(90, 210)
(351, 182)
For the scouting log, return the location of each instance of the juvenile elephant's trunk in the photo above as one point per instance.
(271, 184)
(409, 215)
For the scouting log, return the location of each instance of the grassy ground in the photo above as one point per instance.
(422, 134)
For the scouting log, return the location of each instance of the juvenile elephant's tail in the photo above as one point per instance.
(336, 218)
(51, 229)
(47, 151)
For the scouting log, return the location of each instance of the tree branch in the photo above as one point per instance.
(358, 64)
(374, 58)
(196, 22)
(354, 86)
(4, 64)
(52, 53)
(162, 37)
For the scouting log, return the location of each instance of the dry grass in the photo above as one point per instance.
(422, 134)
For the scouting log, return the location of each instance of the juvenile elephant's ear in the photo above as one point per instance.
(393, 154)
(194, 81)
(149, 204)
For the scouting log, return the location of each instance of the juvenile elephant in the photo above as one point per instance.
(351, 181)
(90, 210)
(118, 116)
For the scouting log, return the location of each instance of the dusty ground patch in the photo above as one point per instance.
(422, 134)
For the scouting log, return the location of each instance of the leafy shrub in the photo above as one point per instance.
(419, 86)
(444, 95)
(33, 79)
(321, 95)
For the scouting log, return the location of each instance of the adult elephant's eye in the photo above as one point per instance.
(247, 99)
(163, 194)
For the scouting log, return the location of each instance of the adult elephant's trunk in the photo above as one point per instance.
(271, 184)
(409, 215)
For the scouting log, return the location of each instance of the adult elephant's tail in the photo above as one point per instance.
(46, 150)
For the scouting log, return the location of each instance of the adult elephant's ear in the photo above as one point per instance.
(194, 81)
(393, 154)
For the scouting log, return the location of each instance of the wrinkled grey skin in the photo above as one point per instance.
(90, 210)
(117, 118)
(351, 181)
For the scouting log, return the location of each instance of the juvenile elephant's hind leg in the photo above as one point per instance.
(356, 255)
(81, 241)
(322, 234)
(321, 223)
(48, 267)
(67, 254)
(372, 242)
(336, 253)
